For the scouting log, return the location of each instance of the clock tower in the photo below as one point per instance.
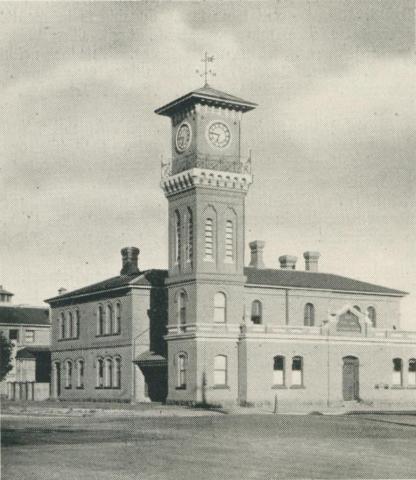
(205, 182)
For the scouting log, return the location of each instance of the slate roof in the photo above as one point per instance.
(24, 315)
(209, 96)
(149, 278)
(313, 280)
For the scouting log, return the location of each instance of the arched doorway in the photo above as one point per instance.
(350, 378)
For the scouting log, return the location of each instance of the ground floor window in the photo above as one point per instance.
(411, 375)
(220, 370)
(68, 374)
(100, 373)
(297, 371)
(397, 371)
(182, 361)
(117, 372)
(278, 370)
(80, 374)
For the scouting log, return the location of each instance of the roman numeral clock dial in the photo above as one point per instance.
(183, 137)
(219, 134)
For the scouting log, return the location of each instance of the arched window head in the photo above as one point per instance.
(209, 239)
(357, 308)
(68, 374)
(220, 307)
(220, 370)
(181, 365)
(309, 315)
(297, 371)
(117, 372)
(397, 371)
(256, 312)
(278, 370)
(190, 240)
(100, 320)
(177, 237)
(371, 312)
(100, 372)
(117, 319)
(411, 375)
(229, 241)
(181, 305)
(80, 373)
(108, 319)
(108, 372)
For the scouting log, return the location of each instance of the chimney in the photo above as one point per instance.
(129, 256)
(288, 262)
(62, 290)
(311, 261)
(256, 249)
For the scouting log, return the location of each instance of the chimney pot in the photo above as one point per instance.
(129, 256)
(256, 248)
(288, 262)
(311, 261)
(62, 290)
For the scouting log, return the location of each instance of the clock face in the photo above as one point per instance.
(183, 137)
(219, 134)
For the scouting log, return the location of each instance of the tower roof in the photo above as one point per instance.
(208, 96)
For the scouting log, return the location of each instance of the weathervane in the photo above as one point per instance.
(207, 59)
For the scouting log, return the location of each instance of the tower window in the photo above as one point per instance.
(256, 312)
(181, 308)
(177, 237)
(229, 240)
(371, 312)
(278, 370)
(219, 308)
(309, 315)
(182, 361)
(209, 239)
(397, 371)
(190, 236)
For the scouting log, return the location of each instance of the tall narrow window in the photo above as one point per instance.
(278, 370)
(100, 372)
(62, 326)
(68, 374)
(117, 372)
(371, 312)
(229, 240)
(411, 374)
(297, 371)
(256, 312)
(182, 300)
(220, 370)
(108, 372)
(117, 319)
(76, 324)
(108, 319)
(100, 320)
(69, 326)
(220, 307)
(209, 239)
(397, 371)
(309, 315)
(80, 373)
(177, 237)
(182, 361)
(190, 236)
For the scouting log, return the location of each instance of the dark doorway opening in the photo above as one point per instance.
(350, 379)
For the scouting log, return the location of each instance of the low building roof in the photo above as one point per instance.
(29, 353)
(21, 315)
(5, 292)
(151, 359)
(313, 280)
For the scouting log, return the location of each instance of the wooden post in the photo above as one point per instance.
(276, 404)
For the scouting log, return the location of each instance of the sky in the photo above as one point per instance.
(332, 140)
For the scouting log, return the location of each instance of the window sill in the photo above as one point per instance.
(108, 335)
(221, 387)
(66, 339)
(181, 388)
(68, 388)
(279, 387)
(80, 388)
(397, 387)
(297, 387)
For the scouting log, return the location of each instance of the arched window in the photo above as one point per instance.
(62, 326)
(357, 308)
(68, 374)
(220, 307)
(220, 370)
(100, 320)
(182, 300)
(309, 315)
(397, 371)
(177, 237)
(256, 312)
(80, 373)
(117, 372)
(278, 370)
(371, 312)
(229, 240)
(108, 372)
(100, 372)
(297, 371)
(209, 239)
(76, 324)
(411, 374)
(69, 326)
(117, 319)
(190, 243)
(182, 364)
(108, 319)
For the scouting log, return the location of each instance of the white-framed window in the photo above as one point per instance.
(190, 242)
(178, 243)
(108, 372)
(220, 370)
(278, 370)
(117, 319)
(220, 307)
(256, 312)
(68, 374)
(411, 373)
(100, 320)
(100, 372)
(117, 372)
(29, 336)
(397, 371)
(108, 319)
(209, 239)
(309, 315)
(80, 373)
(297, 371)
(371, 312)
(181, 365)
(229, 240)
